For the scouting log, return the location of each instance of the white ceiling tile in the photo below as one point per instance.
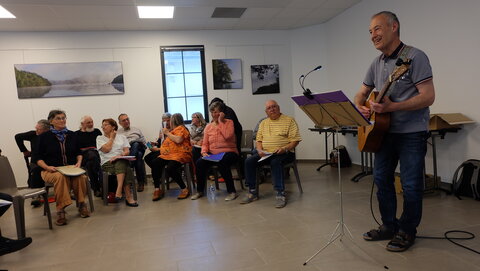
(92, 15)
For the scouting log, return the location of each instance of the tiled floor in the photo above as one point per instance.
(216, 235)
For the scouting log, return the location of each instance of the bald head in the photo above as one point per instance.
(272, 109)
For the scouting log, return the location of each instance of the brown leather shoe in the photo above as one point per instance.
(140, 187)
(61, 219)
(83, 211)
(157, 195)
(183, 194)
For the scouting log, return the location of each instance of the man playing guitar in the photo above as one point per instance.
(405, 139)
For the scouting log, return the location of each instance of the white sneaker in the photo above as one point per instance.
(231, 196)
(196, 196)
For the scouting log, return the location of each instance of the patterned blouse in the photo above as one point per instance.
(181, 152)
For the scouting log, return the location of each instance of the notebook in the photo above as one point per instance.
(71, 170)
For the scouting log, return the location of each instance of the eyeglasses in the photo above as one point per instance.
(60, 118)
(271, 107)
(127, 119)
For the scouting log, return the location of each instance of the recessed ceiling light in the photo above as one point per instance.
(155, 12)
(5, 13)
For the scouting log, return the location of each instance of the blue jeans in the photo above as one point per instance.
(276, 163)
(137, 149)
(409, 149)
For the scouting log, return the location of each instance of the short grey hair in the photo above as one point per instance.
(166, 115)
(391, 17)
(44, 124)
(215, 105)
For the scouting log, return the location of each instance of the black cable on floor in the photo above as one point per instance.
(446, 234)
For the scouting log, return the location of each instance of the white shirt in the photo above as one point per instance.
(119, 143)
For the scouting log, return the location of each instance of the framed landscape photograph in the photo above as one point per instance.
(227, 74)
(265, 79)
(69, 79)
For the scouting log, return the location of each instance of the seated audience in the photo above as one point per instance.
(175, 150)
(277, 135)
(219, 136)
(59, 147)
(196, 134)
(34, 178)
(8, 245)
(155, 149)
(87, 140)
(111, 147)
(137, 147)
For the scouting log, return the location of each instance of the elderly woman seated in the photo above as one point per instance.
(219, 136)
(175, 150)
(112, 148)
(196, 134)
(59, 147)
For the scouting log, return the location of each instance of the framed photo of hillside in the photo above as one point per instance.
(227, 74)
(69, 79)
(265, 79)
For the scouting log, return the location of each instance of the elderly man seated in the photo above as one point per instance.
(276, 140)
(87, 141)
(138, 145)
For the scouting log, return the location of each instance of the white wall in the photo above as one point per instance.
(140, 55)
(445, 30)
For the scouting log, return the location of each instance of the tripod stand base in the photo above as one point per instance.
(335, 235)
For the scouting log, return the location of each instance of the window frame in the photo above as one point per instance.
(183, 48)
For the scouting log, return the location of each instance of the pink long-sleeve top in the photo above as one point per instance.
(219, 138)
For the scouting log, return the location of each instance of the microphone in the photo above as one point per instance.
(306, 92)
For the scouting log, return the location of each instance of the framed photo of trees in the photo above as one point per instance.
(227, 74)
(265, 79)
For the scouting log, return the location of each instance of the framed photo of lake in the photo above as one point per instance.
(265, 79)
(69, 79)
(227, 74)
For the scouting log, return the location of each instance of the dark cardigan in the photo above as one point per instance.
(54, 153)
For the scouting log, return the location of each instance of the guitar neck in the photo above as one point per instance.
(383, 91)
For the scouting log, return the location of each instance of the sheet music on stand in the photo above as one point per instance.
(331, 109)
(335, 110)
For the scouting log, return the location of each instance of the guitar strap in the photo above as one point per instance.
(403, 56)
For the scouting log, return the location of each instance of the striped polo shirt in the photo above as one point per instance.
(277, 133)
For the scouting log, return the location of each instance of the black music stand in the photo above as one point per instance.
(332, 109)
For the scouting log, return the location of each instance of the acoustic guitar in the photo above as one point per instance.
(370, 137)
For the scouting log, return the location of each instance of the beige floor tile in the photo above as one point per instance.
(179, 235)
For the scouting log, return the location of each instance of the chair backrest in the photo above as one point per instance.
(247, 140)
(7, 178)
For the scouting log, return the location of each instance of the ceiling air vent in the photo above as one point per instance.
(228, 12)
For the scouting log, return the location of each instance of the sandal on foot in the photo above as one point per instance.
(400, 242)
(382, 233)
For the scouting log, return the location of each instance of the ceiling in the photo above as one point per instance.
(113, 15)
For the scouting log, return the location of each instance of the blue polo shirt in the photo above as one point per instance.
(404, 88)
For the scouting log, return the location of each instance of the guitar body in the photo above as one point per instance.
(370, 137)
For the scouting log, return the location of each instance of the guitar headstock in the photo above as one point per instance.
(400, 69)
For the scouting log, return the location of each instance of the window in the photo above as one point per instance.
(184, 83)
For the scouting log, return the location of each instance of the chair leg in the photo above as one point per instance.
(188, 176)
(134, 189)
(105, 189)
(215, 173)
(297, 176)
(90, 197)
(18, 207)
(46, 210)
